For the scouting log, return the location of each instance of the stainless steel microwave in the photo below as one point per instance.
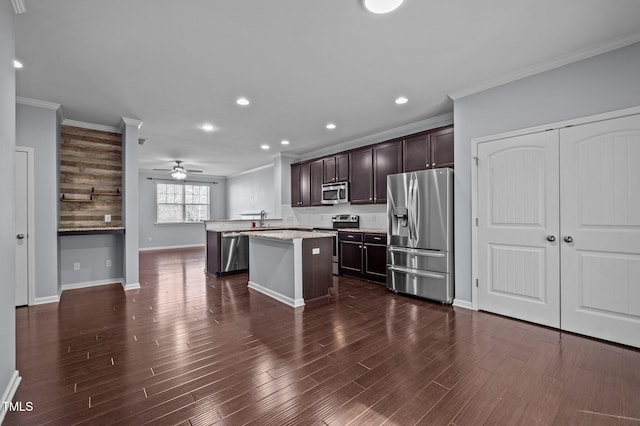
(335, 193)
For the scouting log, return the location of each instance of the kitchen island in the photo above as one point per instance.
(290, 266)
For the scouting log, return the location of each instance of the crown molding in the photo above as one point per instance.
(546, 66)
(90, 126)
(37, 103)
(266, 166)
(132, 122)
(18, 6)
(396, 132)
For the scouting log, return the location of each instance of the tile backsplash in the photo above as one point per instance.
(371, 216)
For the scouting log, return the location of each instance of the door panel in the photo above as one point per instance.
(518, 268)
(22, 244)
(316, 173)
(600, 211)
(361, 176)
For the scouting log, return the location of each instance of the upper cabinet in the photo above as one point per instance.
(369, 168)
(316, 179)
(387, 160)
(429, 150)
(361, 176)
(336, 168)
(366, 169)
(300, 185)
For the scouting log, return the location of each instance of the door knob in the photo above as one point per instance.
(568, 239)
(551, 238)
(20, 236)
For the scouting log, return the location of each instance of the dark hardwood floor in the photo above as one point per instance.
(188, 348)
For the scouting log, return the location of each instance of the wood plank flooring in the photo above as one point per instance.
(193, 349)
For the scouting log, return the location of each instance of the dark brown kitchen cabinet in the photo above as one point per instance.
(316, 169)
(363, 255)
(441, 148)
(375, 256)
(361, 176)
(336, 168)
(387, 160)
(301, 185)
(368, 170)
(429, 150)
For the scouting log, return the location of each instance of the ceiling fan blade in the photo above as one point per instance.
(163, 170)
(194, 171)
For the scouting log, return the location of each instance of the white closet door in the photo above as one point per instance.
(518, 195)
(600, 212)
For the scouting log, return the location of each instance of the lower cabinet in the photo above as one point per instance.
(363, 255)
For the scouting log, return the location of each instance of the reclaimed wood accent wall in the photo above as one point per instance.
(90, 178)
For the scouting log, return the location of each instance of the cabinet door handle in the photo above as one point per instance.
(20, 236)
(349, 236)
(568, 239)
(433, 164)
(551, 238)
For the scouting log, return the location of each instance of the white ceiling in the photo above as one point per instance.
(177, 64)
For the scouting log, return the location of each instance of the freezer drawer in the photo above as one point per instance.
(427, 284)
(429, 260)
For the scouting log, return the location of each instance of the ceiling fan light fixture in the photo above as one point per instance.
(382, 6)
(179, 173)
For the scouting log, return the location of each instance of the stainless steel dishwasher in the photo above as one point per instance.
(234, 252)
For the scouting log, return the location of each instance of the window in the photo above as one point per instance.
(182, 203)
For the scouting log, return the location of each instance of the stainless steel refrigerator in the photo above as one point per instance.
(420, 234)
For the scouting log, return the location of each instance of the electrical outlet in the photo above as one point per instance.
(315, 251)
(107, 218)
(108, 263)
(76, 266)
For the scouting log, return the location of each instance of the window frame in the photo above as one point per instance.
(183, 203)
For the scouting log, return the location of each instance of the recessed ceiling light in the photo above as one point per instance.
(284, 142)
(330, 126)
(207, 127)
(17, 64)
(265, 146)
(382, 6)
(243, 101)
(402, 100)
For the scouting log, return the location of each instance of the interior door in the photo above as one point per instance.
(600, 217)
(22, 240)
(518, 228)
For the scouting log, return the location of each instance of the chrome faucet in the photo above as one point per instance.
(263, 215)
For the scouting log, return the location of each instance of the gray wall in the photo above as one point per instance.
(176, 234)
(251, 192)
(37, 128)
(606, 82)
(92, 252)
(7, 189)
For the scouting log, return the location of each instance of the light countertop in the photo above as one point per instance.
(286, 235)
(248, 228)
(365, 230)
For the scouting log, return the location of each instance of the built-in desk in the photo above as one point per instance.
(290, 266)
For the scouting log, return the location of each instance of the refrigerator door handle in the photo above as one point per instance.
(417, 272)
(415, 252)
(413, 213)
(410, 207)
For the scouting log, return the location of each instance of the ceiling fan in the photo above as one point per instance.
(178, 172)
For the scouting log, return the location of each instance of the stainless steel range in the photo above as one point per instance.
(340, 221)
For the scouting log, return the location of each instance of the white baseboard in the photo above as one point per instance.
(294, 303)
(9, 392)
(130, 286)
(75, 286)
(48, 299)
(463, 304)
(170, 247)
